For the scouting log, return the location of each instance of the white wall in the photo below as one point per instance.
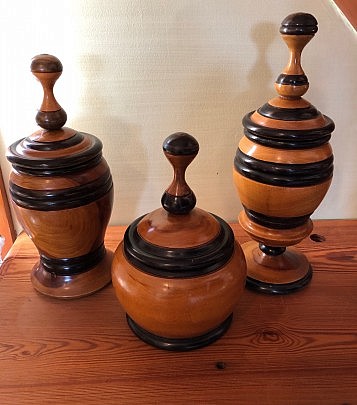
(136, 71)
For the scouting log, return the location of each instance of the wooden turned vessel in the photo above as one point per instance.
(282, 171)
(179, 272)
(62, 192)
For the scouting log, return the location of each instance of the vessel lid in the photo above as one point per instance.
(179, 240)
(54, 149)
(289, 121)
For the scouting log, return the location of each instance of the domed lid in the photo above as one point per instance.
(289, 121)
(179, 240)
(54, 149)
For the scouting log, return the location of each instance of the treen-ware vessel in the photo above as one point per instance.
(62, 192)
(179, 272)
(282, 170)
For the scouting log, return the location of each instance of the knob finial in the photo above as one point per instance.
(180, 149)
(47, 69)
(297, 30)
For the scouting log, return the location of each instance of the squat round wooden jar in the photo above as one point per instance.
(179, 272)
(62, 192)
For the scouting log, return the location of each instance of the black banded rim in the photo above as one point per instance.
(179, 262)
(276, 222)
(279, 289)
(179, 344)
(74, 265)
(288, 114)
(54, 200)
(51, 146)
(282, 174)
(40, 163)
(287, 139)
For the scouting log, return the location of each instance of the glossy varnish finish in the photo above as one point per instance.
(298, 349)
(282, 171)
(179, 273)
(62, 192)
(181, 307)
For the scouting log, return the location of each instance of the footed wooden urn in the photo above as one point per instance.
(62, 192)
(179, 273)
(282, 171)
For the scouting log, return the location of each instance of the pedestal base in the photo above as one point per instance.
(281, 274)
(180, 344)
(72, 286)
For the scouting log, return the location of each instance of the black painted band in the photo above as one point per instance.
(50, 146)
(178, 262)
(178, 205)
(281, 174)
(286, 144)
(287, 139)
(85, 159)
(54, 200)
(51, 119)
(276, 222)
(292, 80)
(288, 114)
(272, 250)
(299, 24)
(179, 344)
(73, 265)
(281, 289)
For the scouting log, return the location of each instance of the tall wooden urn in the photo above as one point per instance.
(282, 171)
(62, 193)
(179, 272)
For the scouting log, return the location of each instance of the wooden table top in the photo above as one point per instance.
(295, 349)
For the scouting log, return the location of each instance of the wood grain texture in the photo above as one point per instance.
(62, 194)
(296, 349)
(279, 201)
(178, 231)
(265, 153)
(6, 224)
(181, 307)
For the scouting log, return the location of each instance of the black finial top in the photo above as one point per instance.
(297, 30)
(180, 149)
(299, 24)
(180, 143)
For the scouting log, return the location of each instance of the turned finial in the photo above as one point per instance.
(48, 69)
(180, 149)
(297, 30)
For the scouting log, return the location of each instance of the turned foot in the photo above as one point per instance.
(276, 270)
(72, 285)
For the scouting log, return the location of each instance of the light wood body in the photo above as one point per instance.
(179, 308)
(179, 272)
(282, 171)
(178, 231)
(69, 233)
(62, 192)
(277, 201)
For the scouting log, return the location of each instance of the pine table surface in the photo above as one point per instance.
(294, 349)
